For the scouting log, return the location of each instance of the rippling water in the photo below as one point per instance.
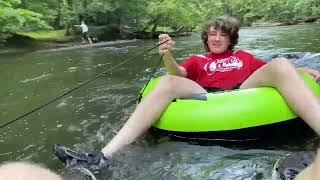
(90, 117)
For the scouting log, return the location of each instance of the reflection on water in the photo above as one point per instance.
(91, 116)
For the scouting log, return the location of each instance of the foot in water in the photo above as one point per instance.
(289, 166)
(95, 161)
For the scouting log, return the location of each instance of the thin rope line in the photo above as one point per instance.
(77, 87)
(152, 74)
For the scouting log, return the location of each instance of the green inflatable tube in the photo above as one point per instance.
(229, 110)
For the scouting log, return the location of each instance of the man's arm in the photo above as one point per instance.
(172, 66)
(165, 49)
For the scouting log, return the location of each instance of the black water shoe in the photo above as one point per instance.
(287, 167)
(95, 161)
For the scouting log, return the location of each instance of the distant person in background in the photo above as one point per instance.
(85, 32)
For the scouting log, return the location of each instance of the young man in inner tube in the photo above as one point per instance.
(223, 68)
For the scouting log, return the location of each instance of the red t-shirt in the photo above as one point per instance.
(224, 71)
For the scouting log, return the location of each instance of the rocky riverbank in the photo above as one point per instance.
(18, 43)
(315, 20)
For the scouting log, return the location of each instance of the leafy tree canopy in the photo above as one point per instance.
(14, 19)
(140, 15)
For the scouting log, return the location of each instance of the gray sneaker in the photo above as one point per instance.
(95, 161)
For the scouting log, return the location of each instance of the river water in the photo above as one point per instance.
(89, 117)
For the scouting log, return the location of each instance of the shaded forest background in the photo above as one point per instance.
(114, 19)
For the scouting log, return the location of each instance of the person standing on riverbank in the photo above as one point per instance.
(222, 67)
(85, 32)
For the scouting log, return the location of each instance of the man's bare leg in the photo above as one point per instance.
(150, 109)
(312, 172)
(89, 39)
(26, 170)
(284, 77)
(83, 40)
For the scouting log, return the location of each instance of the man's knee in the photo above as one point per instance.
(272, 74)
(170, 84)
(280, 67)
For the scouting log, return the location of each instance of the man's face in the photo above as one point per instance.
(218, 41)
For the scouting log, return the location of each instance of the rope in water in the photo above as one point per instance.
(83, 84)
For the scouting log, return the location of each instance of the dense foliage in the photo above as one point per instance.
(142, 15)
(13, 18)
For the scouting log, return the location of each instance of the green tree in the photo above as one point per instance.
(14, 19)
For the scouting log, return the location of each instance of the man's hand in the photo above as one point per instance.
(166, 47)
(313, 73)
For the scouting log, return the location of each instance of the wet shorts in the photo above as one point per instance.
(85, 35)
(203, 97)
(213, 89)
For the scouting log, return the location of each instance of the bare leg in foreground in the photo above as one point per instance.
(150, 109)
(312, 172)
(26, 171)
(283, 76)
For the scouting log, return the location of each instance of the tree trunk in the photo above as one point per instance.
(145, 28)
(155, 25)
(192, 28)
(154, 28)
(59, 15)
(85, 4)
(178, 29)
(69, 23)
(67, 32)
(24, 4)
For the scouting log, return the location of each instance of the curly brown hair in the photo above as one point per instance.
(226, 24)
